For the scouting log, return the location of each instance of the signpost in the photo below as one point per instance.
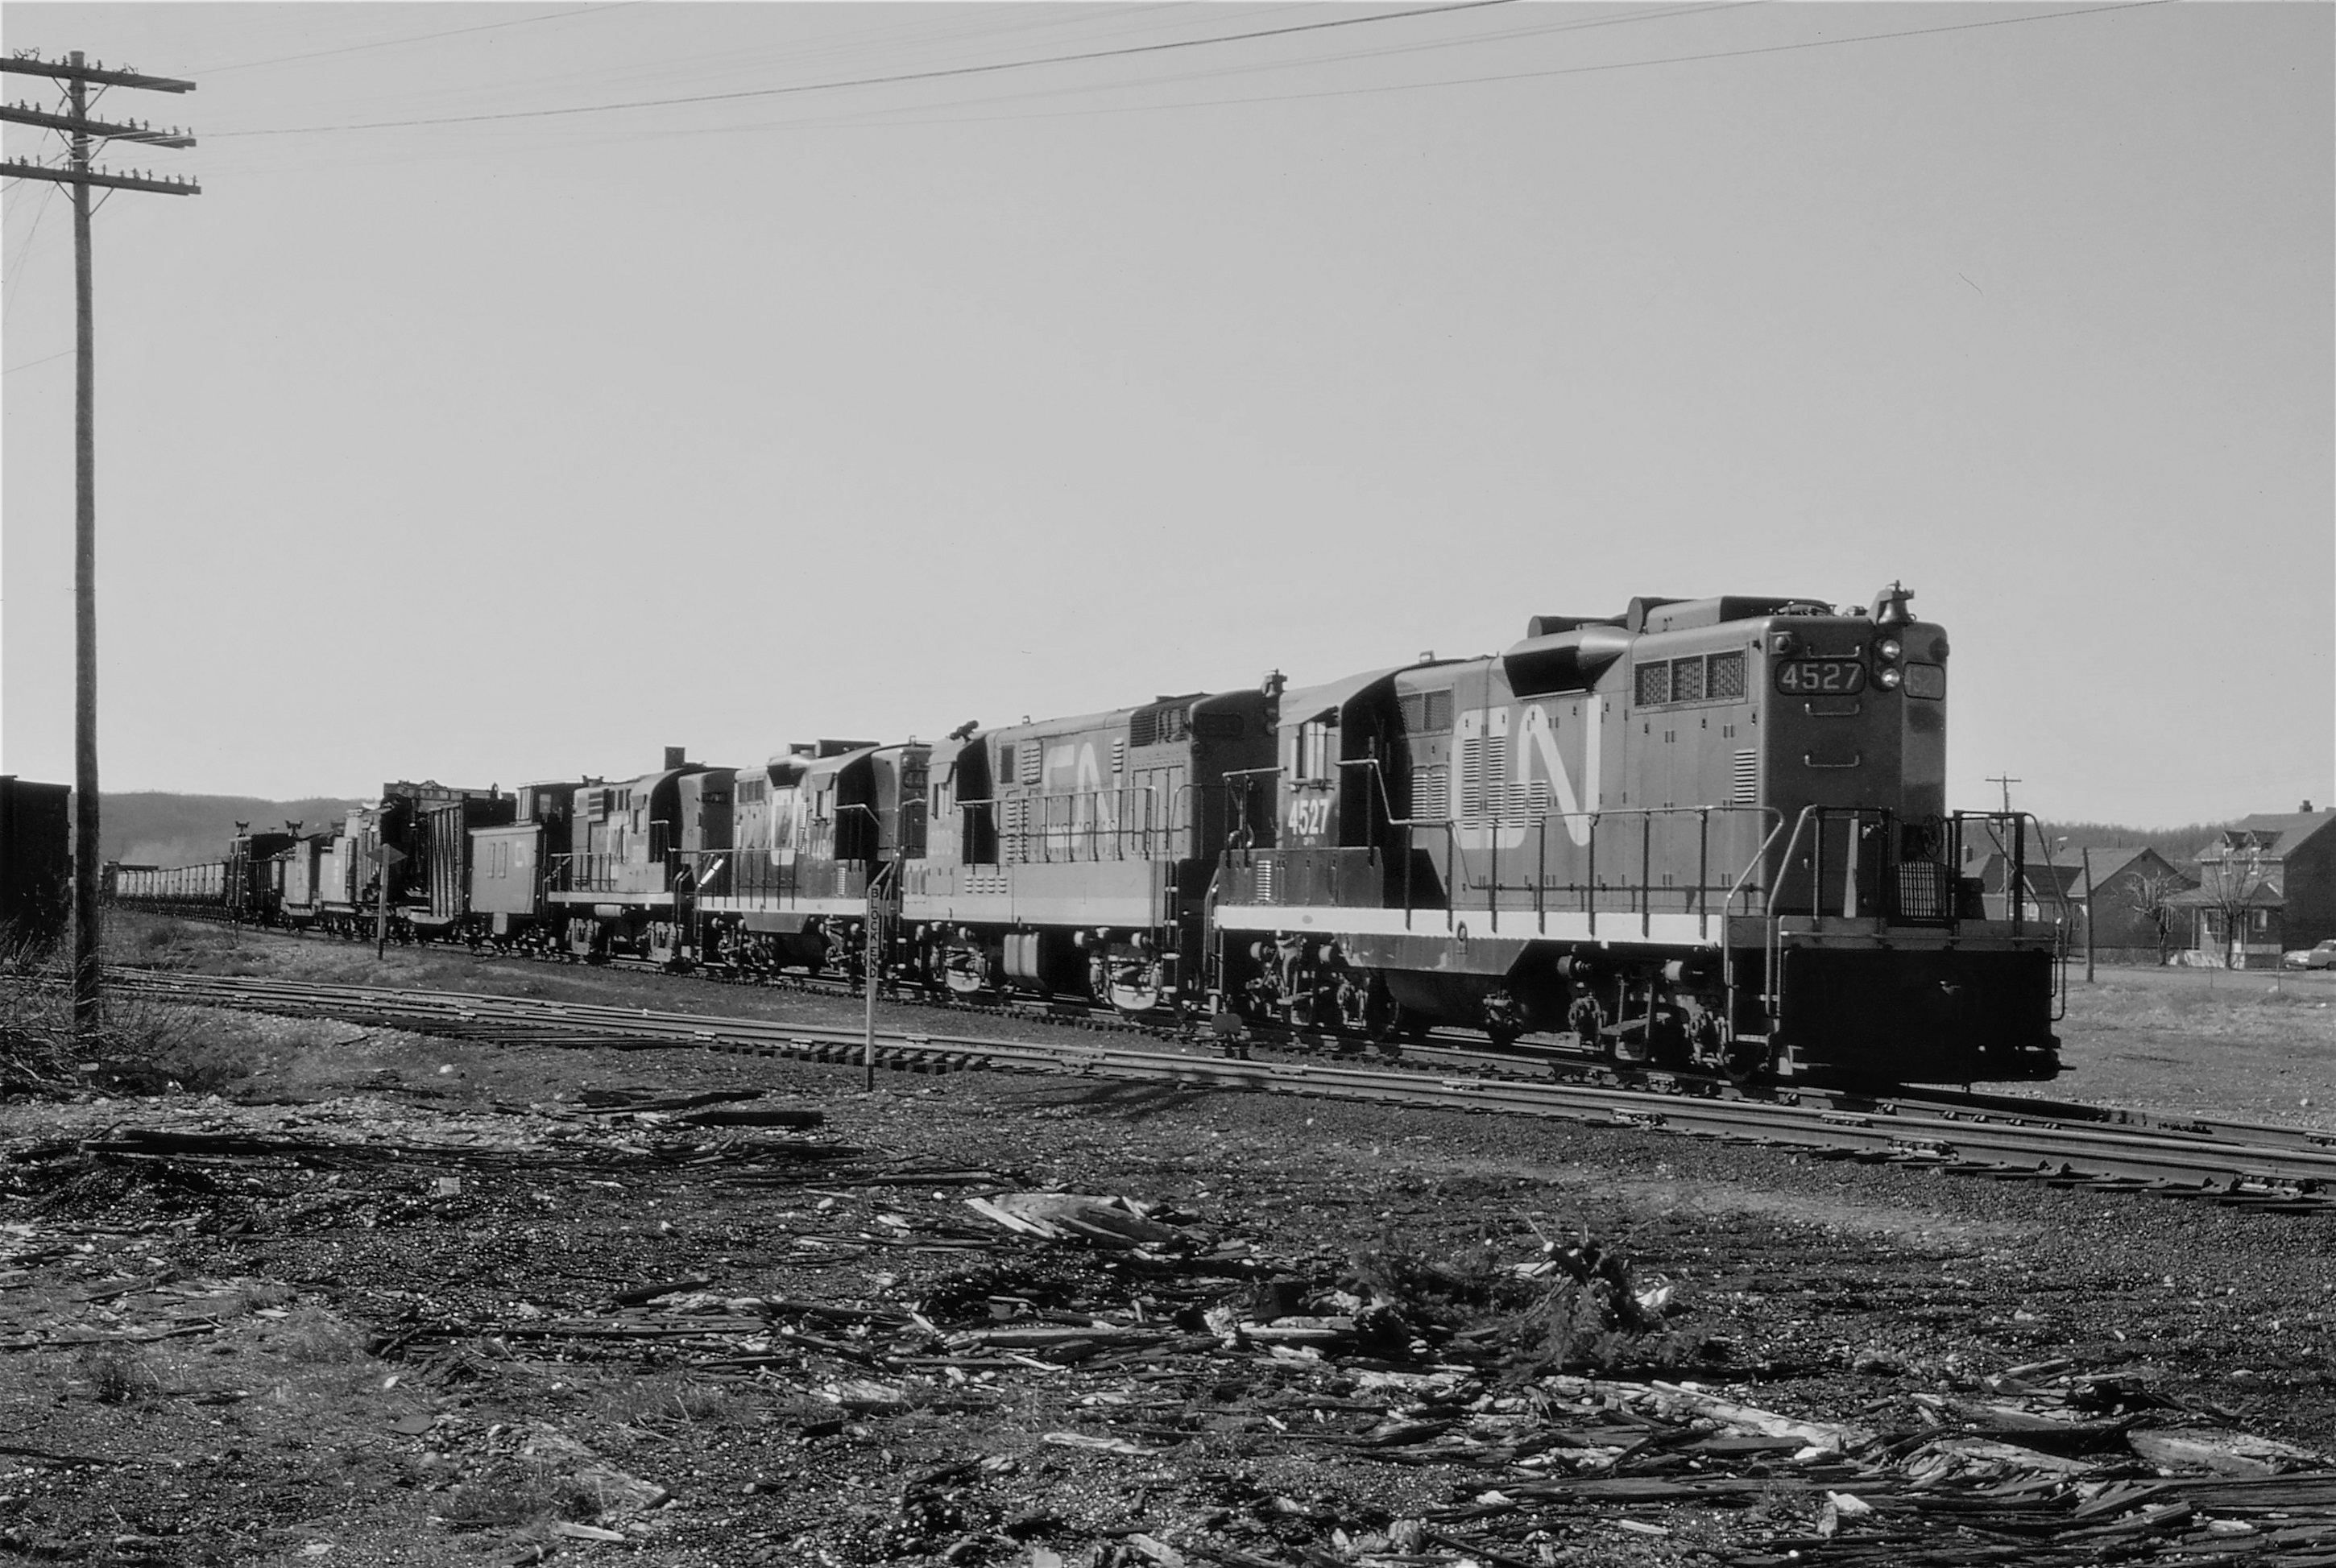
(880, 904)
(389, 860)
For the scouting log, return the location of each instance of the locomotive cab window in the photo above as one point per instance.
(1427, 712)
(1314, 744)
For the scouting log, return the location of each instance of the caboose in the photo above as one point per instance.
(508, 871)
(1710, 832)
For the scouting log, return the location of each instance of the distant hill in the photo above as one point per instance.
(156, 828)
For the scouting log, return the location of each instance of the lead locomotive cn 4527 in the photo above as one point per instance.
(1709, 832)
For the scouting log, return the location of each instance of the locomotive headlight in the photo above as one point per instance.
(1888, 677)
(1887, 650)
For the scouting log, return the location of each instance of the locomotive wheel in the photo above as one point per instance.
(1623, 1050)
(1747, 1061)
(1399, 1024)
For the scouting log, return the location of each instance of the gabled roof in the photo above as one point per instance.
(2112, 861)
(2274, 833)
(2041, 881)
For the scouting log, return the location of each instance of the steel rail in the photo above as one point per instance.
(1454, 1052)
(2114, 1156)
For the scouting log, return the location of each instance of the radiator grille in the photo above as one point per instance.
(1483, 766)
(1265, 881)
(1743, 783)
(1727, 675)
(1160, 726)
(1925, 890)
(1431, 793)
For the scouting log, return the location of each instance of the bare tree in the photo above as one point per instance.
(2230, 883)
(2150, 896)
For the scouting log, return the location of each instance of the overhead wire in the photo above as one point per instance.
(25, 251)
(416, 38)
(890, 79)
(895, 116)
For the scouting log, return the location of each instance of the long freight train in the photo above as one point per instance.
(1709, 832)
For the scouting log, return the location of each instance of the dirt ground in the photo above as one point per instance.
(2249, 1044)
(360, 1297)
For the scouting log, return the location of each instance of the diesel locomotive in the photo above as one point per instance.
(1708, 832)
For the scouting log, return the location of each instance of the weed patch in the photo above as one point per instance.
(1577, 1308)
(115, 1376)
(512, 1493)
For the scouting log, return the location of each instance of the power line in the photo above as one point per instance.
(885, 81)
(898, 116)
(61, 354)
(24, 254)
(1553, 71)
(418, 38)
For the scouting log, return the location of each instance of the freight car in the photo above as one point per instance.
(247, 886)
(416, 839)
(36, 864)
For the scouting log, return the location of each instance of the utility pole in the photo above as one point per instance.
(2087, 853)
(72, 71)
(2007, 783)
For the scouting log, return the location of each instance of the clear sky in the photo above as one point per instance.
(473, 425)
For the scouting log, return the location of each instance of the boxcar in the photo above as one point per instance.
(36, 861)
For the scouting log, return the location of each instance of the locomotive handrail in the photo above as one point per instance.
(1728, 949)
(1640, 893)
(1774, 941)
(1408, 824)
(1772, 946)
(2015, 889)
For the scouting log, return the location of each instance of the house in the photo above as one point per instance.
(2046, 890)
(2268, 882)
(2127, 893)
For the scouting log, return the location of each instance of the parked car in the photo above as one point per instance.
(2320, 956)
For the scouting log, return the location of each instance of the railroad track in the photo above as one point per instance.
(2284, 1170)
(1457, 1051)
